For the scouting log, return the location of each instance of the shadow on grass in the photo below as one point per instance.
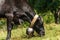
(25, 36)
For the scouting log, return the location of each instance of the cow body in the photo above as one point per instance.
(14, 10)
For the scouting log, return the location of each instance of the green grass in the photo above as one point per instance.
(52, 32)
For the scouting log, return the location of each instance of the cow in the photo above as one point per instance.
(21, 11)
(38, 25)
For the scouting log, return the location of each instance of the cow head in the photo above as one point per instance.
(37, 25)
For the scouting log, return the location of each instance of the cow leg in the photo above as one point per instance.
(9, 26)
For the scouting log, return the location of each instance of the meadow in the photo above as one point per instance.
(52, 32)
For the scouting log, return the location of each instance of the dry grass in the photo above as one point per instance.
(52, 32)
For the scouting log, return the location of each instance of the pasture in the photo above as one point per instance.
(52, 32)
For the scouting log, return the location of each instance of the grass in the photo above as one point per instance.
(52, 32)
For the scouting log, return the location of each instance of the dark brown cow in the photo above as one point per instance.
(38, 26)
(14, 10)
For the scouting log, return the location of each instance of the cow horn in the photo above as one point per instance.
(34, 20)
